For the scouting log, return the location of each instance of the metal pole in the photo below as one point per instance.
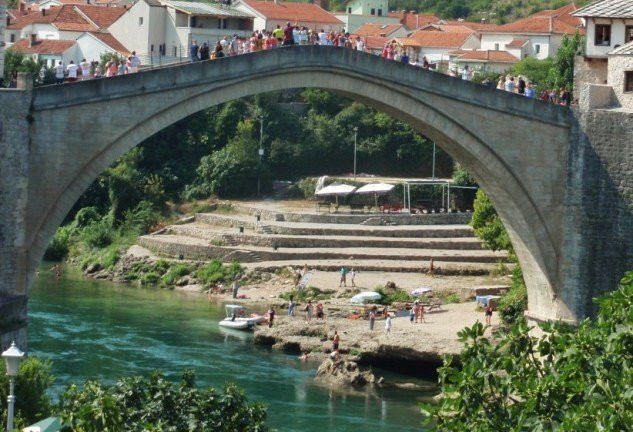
(11, 401)
(433, 168)
(448, 199)
(261, 147)
(355, 134)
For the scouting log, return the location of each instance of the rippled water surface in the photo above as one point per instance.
(103, 330)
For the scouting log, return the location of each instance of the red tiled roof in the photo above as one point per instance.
(414, 20)
(372, 42)
(369, 29)
(441, 39)
(453, 28)
(558, 21)
(300, 12)
(63, 17)
(488, 55)
(112, 42)
(517, 43)
(477, 26)
(100, 15)
(45, 46)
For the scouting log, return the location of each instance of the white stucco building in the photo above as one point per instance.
(438, 43)
(270, 14)
(609, 25)
(165, 29)
(356, 13)
(538, 35)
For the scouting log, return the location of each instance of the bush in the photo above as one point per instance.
(174, 273)
(97, 234)
(141, 218)
(571, 378)
(58, 249)
(487, 224)
(86, 216)
(111, 257)
(33, 403)
(514, 303)
(211, 273)
(157, 404)
(395, 296)
(149, 278)
(310, 293)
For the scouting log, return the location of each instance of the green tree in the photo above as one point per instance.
(15, 62)
(562, 71)
(571, 378)
(33, 403)
(487, 224)
(537, 71)
(136, 404)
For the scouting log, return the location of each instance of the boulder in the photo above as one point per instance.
(343, 372)
(93, 268)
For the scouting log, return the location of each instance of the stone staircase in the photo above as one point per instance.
(275, 242)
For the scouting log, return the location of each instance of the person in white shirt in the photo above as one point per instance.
(135, 62)
(322, 37)
(85, 70)
(59, 73)
(509, 84)
(388, 324)
(72, 71)
(467, 74)
(360, 45)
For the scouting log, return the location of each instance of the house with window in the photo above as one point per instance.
(414, 20)
(270, 14)
(59, 33)
(438, 44)
(620, 75)
(356, 13)
(162, 31)
(538, 35)
(482, 60)
(382, 30)
(609, 25)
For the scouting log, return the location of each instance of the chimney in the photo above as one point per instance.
(32, 39)
(43, 12)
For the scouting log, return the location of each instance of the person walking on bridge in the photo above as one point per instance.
(288, 38)
(193, 51)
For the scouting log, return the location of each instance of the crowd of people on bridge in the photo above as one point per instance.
(291, 35)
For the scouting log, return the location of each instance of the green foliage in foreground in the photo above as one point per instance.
(33, 404)
(156, 404)
(568, 379)
(215, 271)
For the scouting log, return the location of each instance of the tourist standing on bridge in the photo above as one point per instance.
(85, 70)
(59, 73)
(278, 33)
(219, 51)
(135, 62)
(122, 68)
(204, 52)
(72, 71)
(193, 51)
(288, 38)
(360, 45)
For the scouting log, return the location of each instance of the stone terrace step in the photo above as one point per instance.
(194, 248)
(301, 228)
(225, 238)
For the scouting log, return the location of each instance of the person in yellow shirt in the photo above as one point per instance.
(278, 33)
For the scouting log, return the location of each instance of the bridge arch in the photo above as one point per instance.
(499, 138)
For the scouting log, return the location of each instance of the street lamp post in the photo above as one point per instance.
(260, 152)
(355, 135)
(433, 168)
(12, 358)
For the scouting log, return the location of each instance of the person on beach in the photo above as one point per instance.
(372, 318)
(271, 317)
(335, 341)
(304, 356)
(319, 311)
(234, 289)
(352, 275)
(416, 311)
(57, 270)
(308, 310)
(343, 272)
(388, 324)
(488, 313)
(412, 314)
(291, 306)
(422, 312)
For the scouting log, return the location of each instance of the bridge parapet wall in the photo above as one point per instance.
(14, 147)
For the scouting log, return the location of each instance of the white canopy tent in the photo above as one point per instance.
(376, 189)
(336, 190)
(366, 296)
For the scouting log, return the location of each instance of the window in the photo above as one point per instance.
(373, 11)
(496, 47)
(349, 10)
(151, 48)
(12, 37)
(379, 12)
(628, 81)
(628, 34)
(537, 48)
(603, 35)
(140, 21)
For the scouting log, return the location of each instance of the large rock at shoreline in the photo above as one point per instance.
(345, 373)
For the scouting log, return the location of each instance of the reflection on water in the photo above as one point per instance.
(103, 330)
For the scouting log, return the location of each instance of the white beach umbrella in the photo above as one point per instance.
(421, 291)
(376, 189)
(366, 296)
(336, 190)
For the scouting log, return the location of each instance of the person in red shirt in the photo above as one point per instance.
(288, 38)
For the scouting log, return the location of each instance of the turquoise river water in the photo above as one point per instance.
(104, 330)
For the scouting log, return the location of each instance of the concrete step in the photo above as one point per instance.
(223, 237)
(349, 230)
(195, 248)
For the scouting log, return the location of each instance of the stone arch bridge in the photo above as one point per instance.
(536, 161)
